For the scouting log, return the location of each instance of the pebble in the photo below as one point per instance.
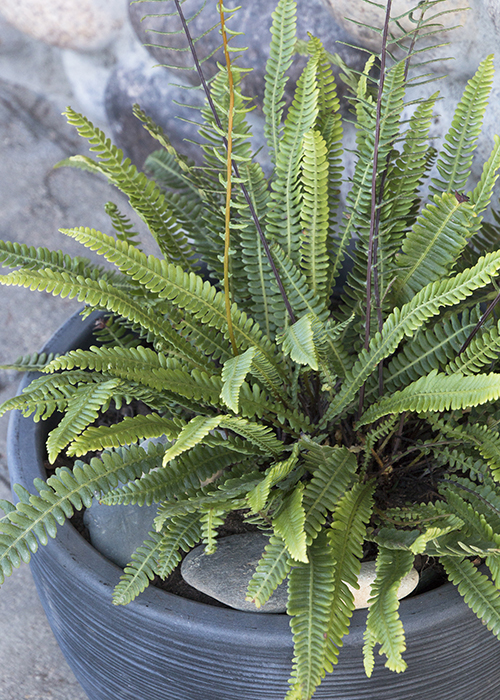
(225, 574)
(140, 80)
(83, 25)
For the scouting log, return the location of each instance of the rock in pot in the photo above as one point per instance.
(225, 574)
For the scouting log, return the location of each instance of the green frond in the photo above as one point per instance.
(483, 351)
(182, 533)
(284, 223)
(434, 243)
(47, 394)
(480, 594)
(300, 295)
(144, 195)
(298, 342)
(281, 52)
(332, 471)
(127, 431)
(345, 537)
(103, 295)
(455, 158)
(234, 373)
(314, 214)
(36, 517)
(228, 493)
(437, 392)
(263, 300)
(168, 173)
(82, 409)
(191, 434)
(461, 460)
(260, 435)
(271, 570)
(210, 519)
(477, 532)
(19, 255)
(311, 589)
(185, 473)
(401, 191)
(383, 625)
(431, 348)
(139, 572)
(121, 224)
(485, 440)
(184, 291)
(405, 321)
(33, 362)
(289, 524)
(483, 496)
(481, 195)
(357, 215)
(276, 473)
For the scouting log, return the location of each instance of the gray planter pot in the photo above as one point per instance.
(162, 646)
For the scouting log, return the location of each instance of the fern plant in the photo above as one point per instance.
(332, 422)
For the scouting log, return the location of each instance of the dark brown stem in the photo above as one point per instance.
(480, 323)
(371, 271)
(249, 202)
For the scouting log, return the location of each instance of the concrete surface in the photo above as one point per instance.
(35, 201)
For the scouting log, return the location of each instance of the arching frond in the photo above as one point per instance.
(383, 625)
(437, 392)
(271, 570)
(310, 596)
(139, 572)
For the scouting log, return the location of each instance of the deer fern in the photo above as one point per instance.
(273, 395)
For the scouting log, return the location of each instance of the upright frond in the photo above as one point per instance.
(455, 158)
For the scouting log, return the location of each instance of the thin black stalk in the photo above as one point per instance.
(246, 194)
(480, 323)
(371, 271)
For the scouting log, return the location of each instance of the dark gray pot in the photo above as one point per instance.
(164, 647)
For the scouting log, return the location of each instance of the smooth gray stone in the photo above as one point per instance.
(225, 574)
(155, 89)
(116, 531)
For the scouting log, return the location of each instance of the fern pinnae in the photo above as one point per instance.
(456, 155)
(482, 351)
(345, 537)
(270, 572)
(284, 212)
(405, 321)
(187, 291)
(144, 195)
(309, 605)
(280, 59)
(478, 591)
(314, 212)
(383, 625)
(437, 392)
(83, 408)
(139, 572)
(181, 533)
(127, 431)
(431, 247)
(56, 500)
